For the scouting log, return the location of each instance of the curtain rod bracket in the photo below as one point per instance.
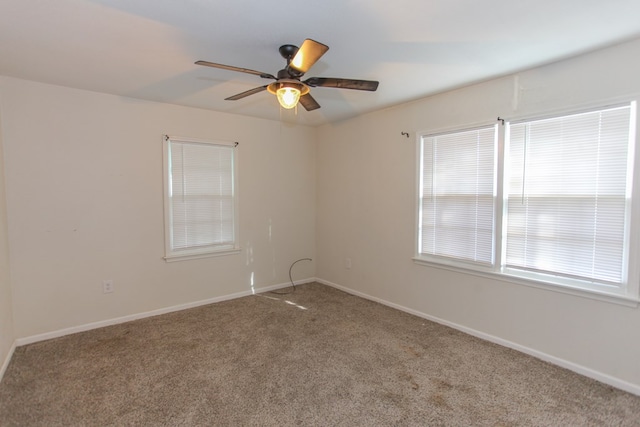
(501, 121)
(405, 134)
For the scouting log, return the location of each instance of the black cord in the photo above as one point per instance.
(293, 285)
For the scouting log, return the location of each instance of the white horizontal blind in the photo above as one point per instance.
(201, 197)
(457, 195)
(567, 187)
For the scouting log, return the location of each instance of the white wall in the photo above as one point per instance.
(6, 312)
(85, 203)
(366, 211)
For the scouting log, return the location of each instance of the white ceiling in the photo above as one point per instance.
(147, 48)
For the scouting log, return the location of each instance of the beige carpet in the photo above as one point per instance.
(316, 357)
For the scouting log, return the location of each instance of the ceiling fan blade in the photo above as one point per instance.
(307, 55)
(369, 85)
(232, 68)
(309, 103)
(246, 93)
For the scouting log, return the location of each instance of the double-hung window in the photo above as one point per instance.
(457, 195)
(548, 201)
(201, 215)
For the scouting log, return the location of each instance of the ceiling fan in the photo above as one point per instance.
(288, 87)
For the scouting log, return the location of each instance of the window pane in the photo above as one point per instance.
(566, 207)
(201, 196)
(457, 198)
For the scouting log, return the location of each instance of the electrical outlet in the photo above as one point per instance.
(107, 286)
(347, 262)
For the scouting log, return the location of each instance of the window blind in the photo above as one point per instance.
(567, 195)
(458, 195)
(201, 196)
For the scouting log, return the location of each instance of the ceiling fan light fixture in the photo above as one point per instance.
(288, 97)
(288, 92)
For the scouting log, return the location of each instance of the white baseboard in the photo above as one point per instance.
(598, 376)
(7, 359)
(582, 370)
(101, 324)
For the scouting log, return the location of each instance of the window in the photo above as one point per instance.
(560, 215)
(457, 195)
(200, 198)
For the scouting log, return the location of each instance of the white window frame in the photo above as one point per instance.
(195, 252)
(626, 293)
(481, 266)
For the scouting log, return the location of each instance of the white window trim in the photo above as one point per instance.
(627, 295)
(628, 301)
(444, 259)
(172, 256)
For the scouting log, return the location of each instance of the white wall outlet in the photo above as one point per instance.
(347, 262)
(107, 286)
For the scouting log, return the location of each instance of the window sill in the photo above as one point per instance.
(187, 257)
(625, 300)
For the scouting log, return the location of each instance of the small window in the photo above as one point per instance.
(200, 198)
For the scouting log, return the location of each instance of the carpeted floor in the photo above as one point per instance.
(316, 357)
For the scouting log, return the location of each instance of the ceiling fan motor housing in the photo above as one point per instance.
(288, 73)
